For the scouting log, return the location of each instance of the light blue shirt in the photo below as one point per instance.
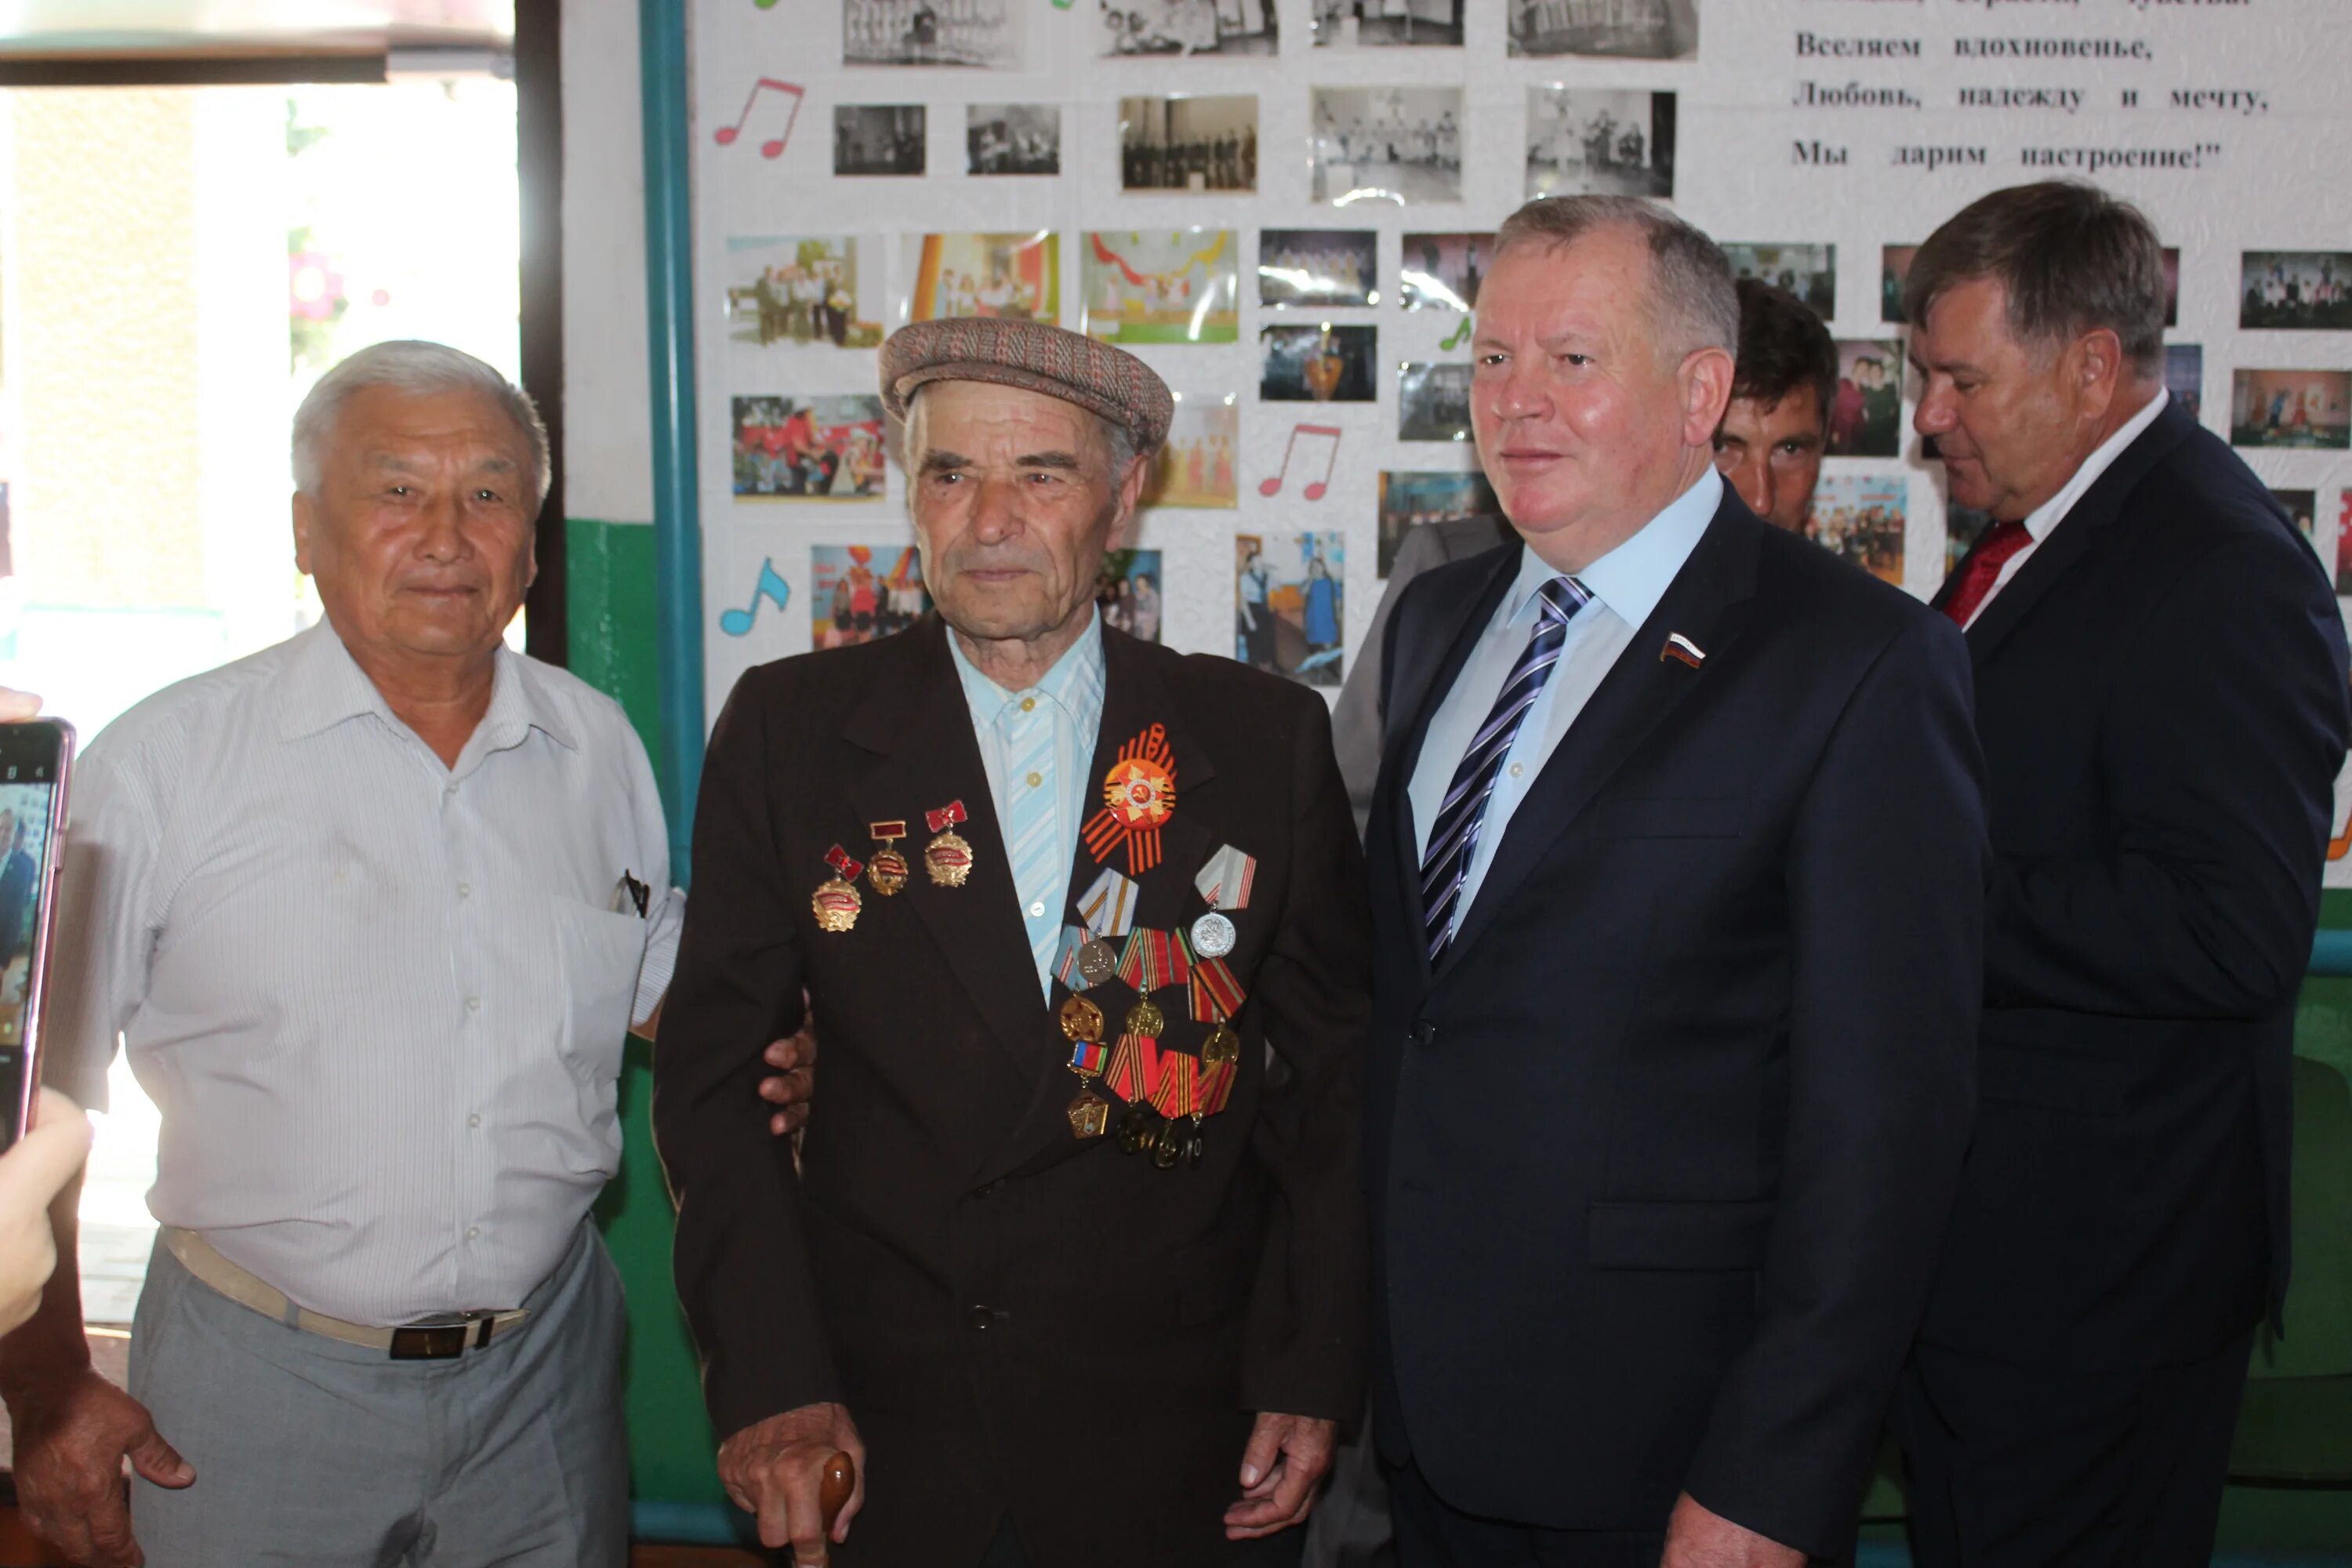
(1023, 761)
(1626, 586)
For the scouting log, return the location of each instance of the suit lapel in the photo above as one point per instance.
(917, 727)
(1135, 698)
(1423, 684)
(1708, 603)
(2074, 535)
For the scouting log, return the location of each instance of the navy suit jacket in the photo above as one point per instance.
(1659, 1153)
(2162, 695)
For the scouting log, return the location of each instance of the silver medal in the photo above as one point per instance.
(1212, 935)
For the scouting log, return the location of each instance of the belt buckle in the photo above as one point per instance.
(437, 1340)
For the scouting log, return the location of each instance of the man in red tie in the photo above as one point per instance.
(2161, 693)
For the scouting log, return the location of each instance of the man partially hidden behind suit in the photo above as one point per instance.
(1676, 862)
(1073, 1265)
(2160, 679)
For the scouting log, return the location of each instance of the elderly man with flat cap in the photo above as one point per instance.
(1072, 1263)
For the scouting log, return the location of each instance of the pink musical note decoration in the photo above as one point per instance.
(1314, 488)
(725, 135)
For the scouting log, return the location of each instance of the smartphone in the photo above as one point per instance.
(36, 764)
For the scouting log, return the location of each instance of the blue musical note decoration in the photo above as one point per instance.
(738, 623)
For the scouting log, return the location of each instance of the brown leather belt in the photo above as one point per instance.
(442, 1337)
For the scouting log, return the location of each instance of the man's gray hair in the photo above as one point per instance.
(1694, 302)
(411, 365)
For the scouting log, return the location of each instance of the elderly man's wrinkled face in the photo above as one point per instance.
(1771, 454)
(420, 536)
(1584, 419)
(1014, 504)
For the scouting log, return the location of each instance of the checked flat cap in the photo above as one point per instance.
(1103, 380)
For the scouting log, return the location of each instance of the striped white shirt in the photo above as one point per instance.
(380, 1002)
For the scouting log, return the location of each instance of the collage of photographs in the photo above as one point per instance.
(1332, 313)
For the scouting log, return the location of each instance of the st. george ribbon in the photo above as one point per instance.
(1314, 488)
(772, 587)
(725, 135)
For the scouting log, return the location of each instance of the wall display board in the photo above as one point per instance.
(1283, 206)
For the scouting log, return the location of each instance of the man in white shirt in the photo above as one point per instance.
(372, 911)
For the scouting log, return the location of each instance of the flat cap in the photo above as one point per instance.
(1103, 380)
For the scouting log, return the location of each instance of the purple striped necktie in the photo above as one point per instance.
(1454, 839)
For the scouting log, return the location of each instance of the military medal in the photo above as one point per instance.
(1175, 1093)
(1212, 935)
(885, 867)
(1081, 1020)
(1090, 1112)
(948, 857)
(1153, 959)
(1222, 1048)
(1108, 906)
(1096, 962)
(1138, 797)
(835, 902)
(1225, 882)
(1065, 959)
(1216, 994)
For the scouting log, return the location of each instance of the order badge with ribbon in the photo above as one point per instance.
(835, 902)
(1138, 797)
(948, 856)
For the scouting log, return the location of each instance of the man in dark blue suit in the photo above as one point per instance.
(1677, 861)
(2160, 679)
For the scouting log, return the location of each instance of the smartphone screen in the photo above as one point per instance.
(33, 759)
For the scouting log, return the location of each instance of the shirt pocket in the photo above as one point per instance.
(599, 955)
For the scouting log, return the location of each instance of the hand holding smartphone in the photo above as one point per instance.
(36, 766)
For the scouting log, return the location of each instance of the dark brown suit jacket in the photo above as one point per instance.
(1018, 1321)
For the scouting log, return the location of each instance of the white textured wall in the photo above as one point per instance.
(608, 432)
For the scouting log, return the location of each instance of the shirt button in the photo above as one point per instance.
(980, 1317)
(473, 1232)
(1037, 908)
(473, 1004)
(1517, 769)
(475, 1120)
(465, 889)
(1028, 705)
(1036, 779)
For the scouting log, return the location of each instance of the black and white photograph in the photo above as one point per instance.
(1181, 28)
(1433, 401)
(1321, 363)
(1396, 144)
(1622, 29)
(1807, 271)
(1589, 141)
(1013, 138)
(1318, 267)
(1442, 271)
(1381, 24)
(1188, 143)
(2290, 289)
(878, 138)
(985, 33)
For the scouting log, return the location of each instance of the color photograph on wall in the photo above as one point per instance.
(2303, 409)
(1384, 24)
(1598, 142)
(1179, 30)
(808, 448)
(1185, 143)
(1128, 592)
(2300, 506)
(1162, 286)
(1318, 267)
(1017, 277)
(1433, 401)
(1622, 29)
(2296, 288)
(2184, 376)
(1400, 145)
(983, 33)
(1807, 271)
(1322, 363)
(1442, 271)
(1894, 271)
(861, 592)
(1412, 496)
(1012, 138)
(2344, 543)
(1196, 466)
(1290, 604)
(1866, 411)
(1859, 518)
(813, 290)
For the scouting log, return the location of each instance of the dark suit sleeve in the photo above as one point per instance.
(1357, 723)
(1305, 1350)
(1885, 890)
(2218, 760)
(741, 1253)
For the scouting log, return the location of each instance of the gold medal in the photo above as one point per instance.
(1145, 1018)
(885, 867)
(1089, 1114)
(835, 902)
(1221, 1048)
(1081, 1020)
(948, 857)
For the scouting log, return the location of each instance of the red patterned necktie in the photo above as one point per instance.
(2001, 540)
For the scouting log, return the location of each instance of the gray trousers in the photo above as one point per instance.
(312, 1452)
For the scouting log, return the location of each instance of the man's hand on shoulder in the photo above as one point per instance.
(1696, 1538)
(73, 1432)
(774, 1470)
(1286, 1458)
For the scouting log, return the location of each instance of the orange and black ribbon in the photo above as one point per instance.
(1138, 797)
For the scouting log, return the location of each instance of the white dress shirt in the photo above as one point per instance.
(2044, 519)
(1069, 698)
(380, 1002)
(1626, 586)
